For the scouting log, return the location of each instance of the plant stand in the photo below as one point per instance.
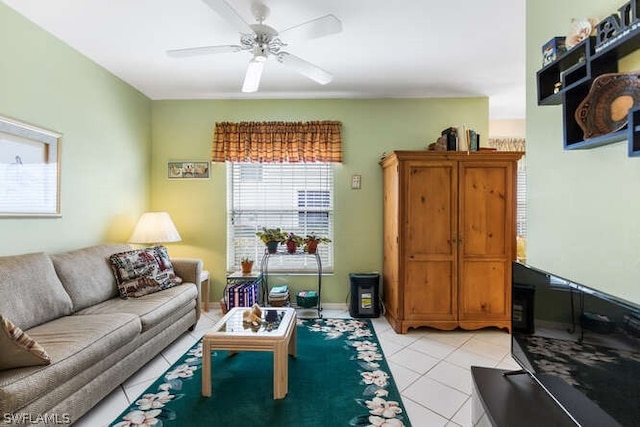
(264, 273)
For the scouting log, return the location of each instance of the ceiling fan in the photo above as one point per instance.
(262, 41)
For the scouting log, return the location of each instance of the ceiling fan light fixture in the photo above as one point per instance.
(260, 53)
(264, 41)
(254, 73)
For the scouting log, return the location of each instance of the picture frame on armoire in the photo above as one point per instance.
(29, 170)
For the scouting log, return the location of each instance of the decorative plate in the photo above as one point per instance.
(604, 109)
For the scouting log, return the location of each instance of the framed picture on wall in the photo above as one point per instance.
(188, 169)
(29, 170)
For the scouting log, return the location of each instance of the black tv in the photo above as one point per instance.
(581, 345)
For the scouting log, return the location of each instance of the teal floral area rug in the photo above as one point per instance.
(339, 378)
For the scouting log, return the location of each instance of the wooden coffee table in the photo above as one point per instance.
(231, 334)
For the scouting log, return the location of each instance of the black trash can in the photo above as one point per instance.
(365, 299)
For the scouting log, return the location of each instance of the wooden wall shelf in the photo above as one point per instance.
(567, 80)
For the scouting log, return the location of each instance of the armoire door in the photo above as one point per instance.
(430, 230)
(486, 212)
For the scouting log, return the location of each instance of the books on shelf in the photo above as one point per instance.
(451, 134)
(461, 138)
(279, 290)
(279, 296)
(241, 295)
(473, 140)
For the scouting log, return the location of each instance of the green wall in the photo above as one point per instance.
(583, 207)
(183, 130)
(106, 139)
(116, 144)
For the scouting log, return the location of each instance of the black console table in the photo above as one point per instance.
(514, 400)
(518, 400)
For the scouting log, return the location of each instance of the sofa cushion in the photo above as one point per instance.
(143, 271)
(31, 291)
(74, 343)
(151, 308)
(18, 348)
(86, 274)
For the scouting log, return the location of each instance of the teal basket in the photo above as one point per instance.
(307, 299)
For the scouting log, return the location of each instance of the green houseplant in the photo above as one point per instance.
(292, 242)
(272, 237)
(311, 242)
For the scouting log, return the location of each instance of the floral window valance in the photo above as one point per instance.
(277, 142)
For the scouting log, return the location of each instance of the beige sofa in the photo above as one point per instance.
(69, 304)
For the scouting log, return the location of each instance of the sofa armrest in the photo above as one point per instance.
(189, 270)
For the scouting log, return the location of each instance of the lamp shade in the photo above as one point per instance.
(155, 227)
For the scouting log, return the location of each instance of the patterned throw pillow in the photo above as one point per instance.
(18, 349)
(143, 271)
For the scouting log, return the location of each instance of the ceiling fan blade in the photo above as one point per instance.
(253, 75)
(229, 14)
(319, 27)
(305, 68)
(204, 50)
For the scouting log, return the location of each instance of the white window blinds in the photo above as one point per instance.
(297, 197)
(521, 198)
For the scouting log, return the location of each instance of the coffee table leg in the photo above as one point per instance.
(292, 343)
(206, 368)
(280, 370)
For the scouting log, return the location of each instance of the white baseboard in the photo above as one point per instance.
(334, 306)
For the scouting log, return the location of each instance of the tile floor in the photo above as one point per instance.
(431, 369)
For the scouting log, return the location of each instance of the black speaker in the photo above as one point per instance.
(365, 299)
(523, 297)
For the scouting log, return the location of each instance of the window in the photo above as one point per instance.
(314, 209)
(521, 198)
(29, 170)
(297, 197)
(517, 144)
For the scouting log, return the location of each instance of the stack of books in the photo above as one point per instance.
(279, 296)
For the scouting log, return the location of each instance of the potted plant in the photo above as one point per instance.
(292, 242)
(271, 237)
(247, 265)
(311, 242)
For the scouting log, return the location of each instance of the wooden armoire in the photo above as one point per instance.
(449, 238)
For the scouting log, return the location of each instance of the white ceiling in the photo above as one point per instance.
(405, 48)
